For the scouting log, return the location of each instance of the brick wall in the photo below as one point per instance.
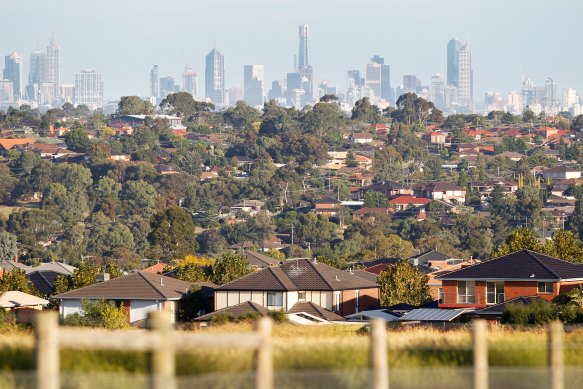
(366, 298)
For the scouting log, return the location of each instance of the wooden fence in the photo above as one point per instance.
(162, 343)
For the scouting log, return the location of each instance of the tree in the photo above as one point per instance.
(527, 115)
(139, 197)
(172, 235)
(77, 140)
(8, 248)
(17, 280)
(564, 245)
(229, 267)
(183, 104)
(519, 239)
(133, 105)
(403, 283)
(84, 275)
(242, 115)
(193, 269)
(99, 313)
(8, 184)
(374, 199)
(364, 111)
(260, 227)
(388, 164)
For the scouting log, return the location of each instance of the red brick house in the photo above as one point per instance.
(404, 202)
(298, 281)
(519, 274)
(327, 207)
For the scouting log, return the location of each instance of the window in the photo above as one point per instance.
(356, 297)
(466, 292)
(302, 296)
(494, 292)
(336, 307)
(545, 287)
(440, 295)
(274, 299)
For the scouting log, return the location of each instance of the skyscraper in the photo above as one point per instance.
(253, 76)
(372, 76)
(36, 74)
(303, 66)
(190, 82)
(214, 77)
(437, 90)
(550, 102)
(6, 91)
(13, 72)
(89, 89)
(465, 75)
(411, 83)
(386, 90)
(167, 86)
(154, 82)
(303, 60)
(53, 67)
(453, 47)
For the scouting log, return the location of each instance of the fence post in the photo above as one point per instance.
(556, 355)
(47, 350)
(264, 355)
(480, 345)
(162, 357)
(378, 354)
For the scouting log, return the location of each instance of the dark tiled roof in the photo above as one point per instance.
(315, 310)
(299, 274)
(44, 280)
(248, 307)
(523, 264)
(258, 259)
(9, 265)
(498, 309)
(431, 255)
(367, 275)
(135, 286)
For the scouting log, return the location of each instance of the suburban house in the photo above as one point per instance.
(43, 276)
(519, 274)
(23, 305)
(137, 293)
(327, 207)
(561, 173)
(361, 138)
(485, 188)
(442, 191)
(298, 281)
(389, 189)
(435, 137)
(250, 207)
(258, 260)
(403, 202)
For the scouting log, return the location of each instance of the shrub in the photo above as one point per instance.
(7, 319)
(250, 316)
(537, 312)
(98, 314)
(278, 316)
(221, 318)
(364, 330)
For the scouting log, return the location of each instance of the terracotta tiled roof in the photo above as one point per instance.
(136, 286)
(7, 144)
(405, 200)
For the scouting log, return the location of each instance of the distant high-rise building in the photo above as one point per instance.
(233, 95)
(13, 72)
(514, 102)
(303, 66)
(326, 88)
(214, 77)
(190, 82)
(354, 87)
(450, 97)
(437, 90)
(88, 89)
(373, 81)
(36, 74)
(569, 99)
(411, 83)
(6, 91)
(154, 82)
(167, 86)
(453, 46)
(294, 84)
(386, 90)
(53, 67)
(253, 76)
(68, 93)
(550, 103)
(465, 76)
(277, 90)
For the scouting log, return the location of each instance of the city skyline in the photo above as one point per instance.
(418, 53)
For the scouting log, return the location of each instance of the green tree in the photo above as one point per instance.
(229, 267)
(388, 164)
(364, 111)
(78, 140)
(242, 115)
(519, 239)
(172, 235)
(564, 245)
(99, 313)
(527, 115)
(183, 104)
(403, 283)
(84, 275)
(374, 199)
(133, 105)
(139, 197)
(8, 184)
(8, 248)
(17, 280)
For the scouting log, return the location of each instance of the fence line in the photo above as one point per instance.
(163, 343)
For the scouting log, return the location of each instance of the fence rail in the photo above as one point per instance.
(163, 343)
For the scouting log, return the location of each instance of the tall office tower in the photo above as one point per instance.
(527, 92)
(190, 82)
(373, 81)
(294, 84)
(327, 88)
(411, 83)
(386, 90)
(36, 74)
(53, 67)
(88, 89)
(233, 95)
(154, 82)
(514, 102)
(6, 91)
(303, 66)
(465, 75)
(450, 97)
(13, 72)
(569, 99)
(551, 104)
(68, 93)
(253, 76)
(277, 90)
(214, 77)
(437, 90)
(167, 86)
(453, 46)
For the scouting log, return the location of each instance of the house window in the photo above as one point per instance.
(545, 287)
(275, 299)
(494, 292)
(440, 295)
(336, 307)
(466, 292)
(356, 298)
(302, 296)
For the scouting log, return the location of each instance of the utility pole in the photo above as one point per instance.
(292, 234)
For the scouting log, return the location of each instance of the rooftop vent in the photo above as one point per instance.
(102, 277)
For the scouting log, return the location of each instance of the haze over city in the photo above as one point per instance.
(123, 40)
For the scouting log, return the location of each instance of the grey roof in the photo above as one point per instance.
(429, 256)
(315, 310)
(58, 267)
(9, 265)
(523, 264)
(433, 314)
(135, 286)
(261, 260)
(247, 307)
(299, 274)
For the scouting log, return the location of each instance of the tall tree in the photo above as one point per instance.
(229, 267)
(172, 235)
(403, 283)
(8, 248)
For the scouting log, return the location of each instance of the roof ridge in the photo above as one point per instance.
(272, 268)
(320, 275)
(141, 274)
(531, 253)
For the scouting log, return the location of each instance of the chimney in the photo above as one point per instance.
(102, 277)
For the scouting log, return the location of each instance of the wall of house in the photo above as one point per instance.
(224, 298)
(366, 298)
(69, 307)
(139, 309)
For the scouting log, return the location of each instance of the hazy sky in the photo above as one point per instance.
(123, 39)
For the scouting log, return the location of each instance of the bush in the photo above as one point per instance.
(221, 318)
(278, 316)
(537, 312)
(364, 330)
(98, 314)
(7, 319)
(250, 316)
